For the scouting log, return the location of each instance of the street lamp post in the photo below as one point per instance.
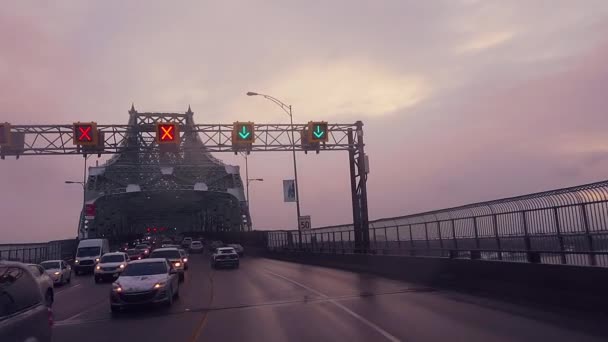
(84, 194)
(287, 109)
(247, 181)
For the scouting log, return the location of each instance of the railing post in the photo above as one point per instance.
(440, 239)
(413, 249)
(375, 243)
(592, 259)
(454, 234)
(342, 241)
(385, 239)
(531, 256)
(333, 244)
(497, 236)
(560, 238)
(426, 236)
(398, 238)
(476, 232)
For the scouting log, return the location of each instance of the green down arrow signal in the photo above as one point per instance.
(318, 132)
(243, 133)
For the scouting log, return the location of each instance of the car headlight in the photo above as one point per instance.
(97, 267)
(177, 264)
(185, 260)
(57, 273)
(159, 285)
(76, 261)
(116, 287)
(97, 260)
(122, 266)
(139, 258)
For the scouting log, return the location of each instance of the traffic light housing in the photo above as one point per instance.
(167, 133)
(317, 132)
(243, 133)
(5, 134)
(85, 133)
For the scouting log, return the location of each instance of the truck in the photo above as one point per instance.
(88, 253)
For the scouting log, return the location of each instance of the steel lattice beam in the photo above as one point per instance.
(57, 139)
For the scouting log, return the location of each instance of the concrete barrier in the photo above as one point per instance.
(577, 287)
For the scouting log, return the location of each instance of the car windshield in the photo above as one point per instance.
(88, 251)
(142, 246)
(132, 251)
(50, 265)
(147, 268)
(166, 254)
(196, 243)
(112, 258)
(226, 250)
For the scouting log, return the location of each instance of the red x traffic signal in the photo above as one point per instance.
(85, 133)
(167, 133)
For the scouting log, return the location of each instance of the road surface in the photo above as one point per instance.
(270, 300)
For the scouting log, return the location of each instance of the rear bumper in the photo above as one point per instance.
(226, 262)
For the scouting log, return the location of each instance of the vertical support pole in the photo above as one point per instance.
(497, 236)
(454, 234)
(590, 247)
(362, 185)
(412, 247)
(476, 233)
(426, 236)
(355, 198)
(560, 238)
(440, 238)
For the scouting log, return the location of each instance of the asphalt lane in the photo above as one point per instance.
(270, 300)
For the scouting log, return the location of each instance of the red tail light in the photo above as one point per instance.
(50, 317)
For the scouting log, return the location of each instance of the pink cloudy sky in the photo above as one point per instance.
(462, 100)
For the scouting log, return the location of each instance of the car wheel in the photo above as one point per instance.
(115, 309)
(170, 298)
(62, 280)
(97, 280)
(181, 277)
(70, 278)
(176, 294)
(48, 298)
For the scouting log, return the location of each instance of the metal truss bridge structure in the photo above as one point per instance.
(181, 187)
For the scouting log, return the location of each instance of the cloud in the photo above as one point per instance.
(485, 41)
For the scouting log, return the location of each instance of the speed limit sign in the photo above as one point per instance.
(304, 222)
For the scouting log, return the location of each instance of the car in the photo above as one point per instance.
(174, 257)
(88, 253)
(225, 256)
(238, 248)
(45, 283)
(59, 271)
(148, 281)
(167, 242)
(110, 265)
(144, 248)
(134, 254)
(24, 314)
(171, 246)
(186, 242)
(184, 257)
(196, 247)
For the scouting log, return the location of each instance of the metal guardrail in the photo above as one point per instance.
(38, 252)
(563, 226)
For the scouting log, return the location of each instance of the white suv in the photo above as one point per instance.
(225, 256)
(110, 265)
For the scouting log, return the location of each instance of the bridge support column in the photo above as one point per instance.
(358, 183)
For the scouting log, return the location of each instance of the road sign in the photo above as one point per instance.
(89, 211)
(289, 190)
(85, 133)
(317, 132)
(167, 133)
(5, 134)
(243, 133)
(304, 222)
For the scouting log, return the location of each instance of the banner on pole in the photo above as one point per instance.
(289, 190)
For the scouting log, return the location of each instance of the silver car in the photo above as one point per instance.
(58, 270)
(24, 315)
(45, 283)
(149, 281)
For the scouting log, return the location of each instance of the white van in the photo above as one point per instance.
(88, 253)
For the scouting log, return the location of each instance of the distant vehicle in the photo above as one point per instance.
(186, 242)
(24, 314)
(45, 283)
(148, 281)
(184, 255)
(144, 248)
(171, 246)
(59, 271)
(196, 247)
(238, 248)
(167, 242)
(216, 244)
(88, 253)
(225, 256)
(135, 254)
(174, 257)
(110, 265)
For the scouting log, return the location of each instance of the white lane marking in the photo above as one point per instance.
(67, 289)
(383, 332)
